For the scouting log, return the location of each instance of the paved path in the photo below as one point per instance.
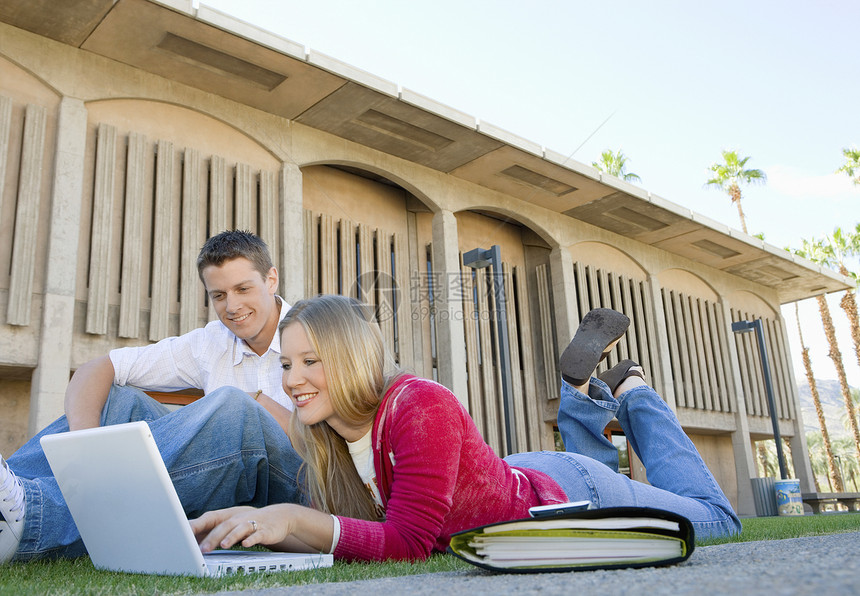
(815, 566)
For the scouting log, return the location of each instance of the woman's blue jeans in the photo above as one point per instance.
(679, 479)
(221, 450)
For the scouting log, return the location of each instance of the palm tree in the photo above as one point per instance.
(816, 252)
(839, 246)
(852, 164)
(855, 399)
(729, 175)
(615, 164)
(847, 461)
(818, 461)
(833, 471)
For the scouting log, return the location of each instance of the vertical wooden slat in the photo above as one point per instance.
(382, 280)
(646, 334)
(622, 351)
(220, 214)
(636, 322)
(706, 356)
(730, 394)
(246, 198)
(365, 260)
(716, 348)
(192, 233)
(582, 302)
(311, 253)
(26, 235)
(781, 393)
(405, 356)
(693, 331)
(5, 131)
(415, 299)
(488, 377)
(530, 394)
(754, 368)
(743, 366)
(473, 347)
(132, 237)
(605, 301)
(669, 303)
(328, 254)
(593, 291)
(347, 258)
(498, 396)
(520, 419)
(605, 295)
(550, 359)
(162, 242)
(101, 234)
(753, 371)
(269, 214)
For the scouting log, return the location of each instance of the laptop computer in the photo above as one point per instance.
(129, 515)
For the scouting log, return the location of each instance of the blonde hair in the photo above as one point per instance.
(357, 369)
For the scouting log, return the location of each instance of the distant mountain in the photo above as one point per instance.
(830, 395)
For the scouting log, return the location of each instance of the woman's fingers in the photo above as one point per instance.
(224, 528)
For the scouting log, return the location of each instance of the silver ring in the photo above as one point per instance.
(253, 525)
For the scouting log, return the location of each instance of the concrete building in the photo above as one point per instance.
(131, 130)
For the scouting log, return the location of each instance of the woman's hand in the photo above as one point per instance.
(281, 527)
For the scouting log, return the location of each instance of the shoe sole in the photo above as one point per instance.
(599, 330)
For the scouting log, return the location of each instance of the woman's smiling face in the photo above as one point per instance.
(304, 381)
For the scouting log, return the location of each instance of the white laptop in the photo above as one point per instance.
(129, 515)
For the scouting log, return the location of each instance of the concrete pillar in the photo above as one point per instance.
(660, 345)
(51, 375)
(450, 335)
(741, 444)
(290, 262)
(563, 297)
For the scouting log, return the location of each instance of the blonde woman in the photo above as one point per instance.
(394, 464)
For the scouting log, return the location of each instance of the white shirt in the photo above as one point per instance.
(205, 358)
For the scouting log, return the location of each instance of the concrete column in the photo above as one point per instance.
(660, 345)
(563, 297)
(51, 375)
(741, 444)
(290, 262)
(450, 335)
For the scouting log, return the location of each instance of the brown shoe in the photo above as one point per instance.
(616, 375)
(598, 332)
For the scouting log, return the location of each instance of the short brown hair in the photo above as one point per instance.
(233, 244)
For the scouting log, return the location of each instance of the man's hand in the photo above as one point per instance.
(87, 393)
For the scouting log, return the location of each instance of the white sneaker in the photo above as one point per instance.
(11, 512)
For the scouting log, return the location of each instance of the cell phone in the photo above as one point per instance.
(559, 508)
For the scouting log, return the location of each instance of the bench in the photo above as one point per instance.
(176, 398)
(819, 501)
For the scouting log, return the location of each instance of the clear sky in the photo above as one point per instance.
(671, 83)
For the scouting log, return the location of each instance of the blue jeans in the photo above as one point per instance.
(222, 450)
(679, 479)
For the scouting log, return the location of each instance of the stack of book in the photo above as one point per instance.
(593, 539)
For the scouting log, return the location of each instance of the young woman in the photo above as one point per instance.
(394, 464)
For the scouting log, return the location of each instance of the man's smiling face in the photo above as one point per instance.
(244, 300)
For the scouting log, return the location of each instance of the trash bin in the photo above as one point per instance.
(764, 496)
(788, 498)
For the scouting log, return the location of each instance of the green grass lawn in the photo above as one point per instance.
(77, 576)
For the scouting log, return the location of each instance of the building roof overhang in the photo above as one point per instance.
(214, 52)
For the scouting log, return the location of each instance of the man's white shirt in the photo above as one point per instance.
(205, 358)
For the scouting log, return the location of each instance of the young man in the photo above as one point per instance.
(227, 434)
